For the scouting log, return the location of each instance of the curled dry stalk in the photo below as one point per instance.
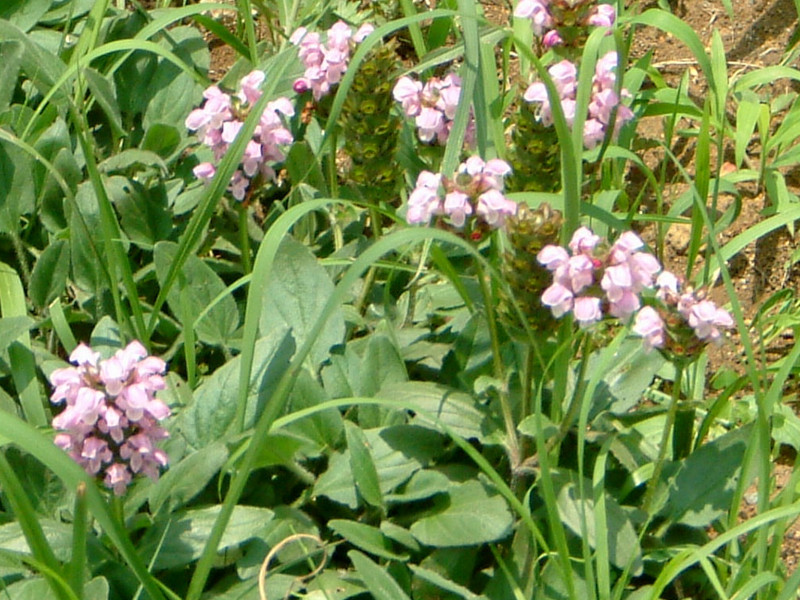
(262, 572)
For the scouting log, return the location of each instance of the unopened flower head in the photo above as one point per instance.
(109, 424)
(605, 106)
(433, 106)
(221, 117)
(476, 190)
(325, 62)
(594, 277)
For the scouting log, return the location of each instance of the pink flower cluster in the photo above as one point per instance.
(110, 420)
(433, 106)
(545, 25)
(221, 117)
(325, 63)
(621, 271)
(605, 106)
(477, 189)
(703, 316)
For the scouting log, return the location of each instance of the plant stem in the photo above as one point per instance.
(499, 370)
(244, 239)
(665, 436)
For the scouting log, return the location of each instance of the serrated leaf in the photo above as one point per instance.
(369, 539)
(470, 515)
(295, 295)
(49, 276)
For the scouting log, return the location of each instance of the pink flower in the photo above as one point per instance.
(218, 128)
(706, 319)
(538, 12)
(587, 310)
(407, 92)
(457, 207)
(433, 105)
(249, 85)
(583, 241)
(494, 208)
(559, 299)
(603, 15)
(552, 39)
(424, 201)
(109, 403)
(650, 326)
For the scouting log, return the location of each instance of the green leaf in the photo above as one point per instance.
(622, 387)
(439, 404)
(622, 540)
(106, 338)
(378, 581)
(362, 465)
(49, 277)
(211, 415)
(184, 480)
(132, 159)
(422, 485)
(369, 539)
(10, 61)
(702, 489)
(39, 589)
(15, 187)
(179, 540)
(295, 295)
(323, 427)
(143, 211)
(162, 139)
(333, 585)
(105, 93)
(397, 453)
(202, 286)
(85, 238)
(171, 93)
(11, 328)
(24, 13)
(470, 515)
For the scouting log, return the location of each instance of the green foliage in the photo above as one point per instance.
(401, 394)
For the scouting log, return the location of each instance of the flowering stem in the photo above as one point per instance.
(499, 371)
(80, 526)
(244, 239)
(665, 436)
